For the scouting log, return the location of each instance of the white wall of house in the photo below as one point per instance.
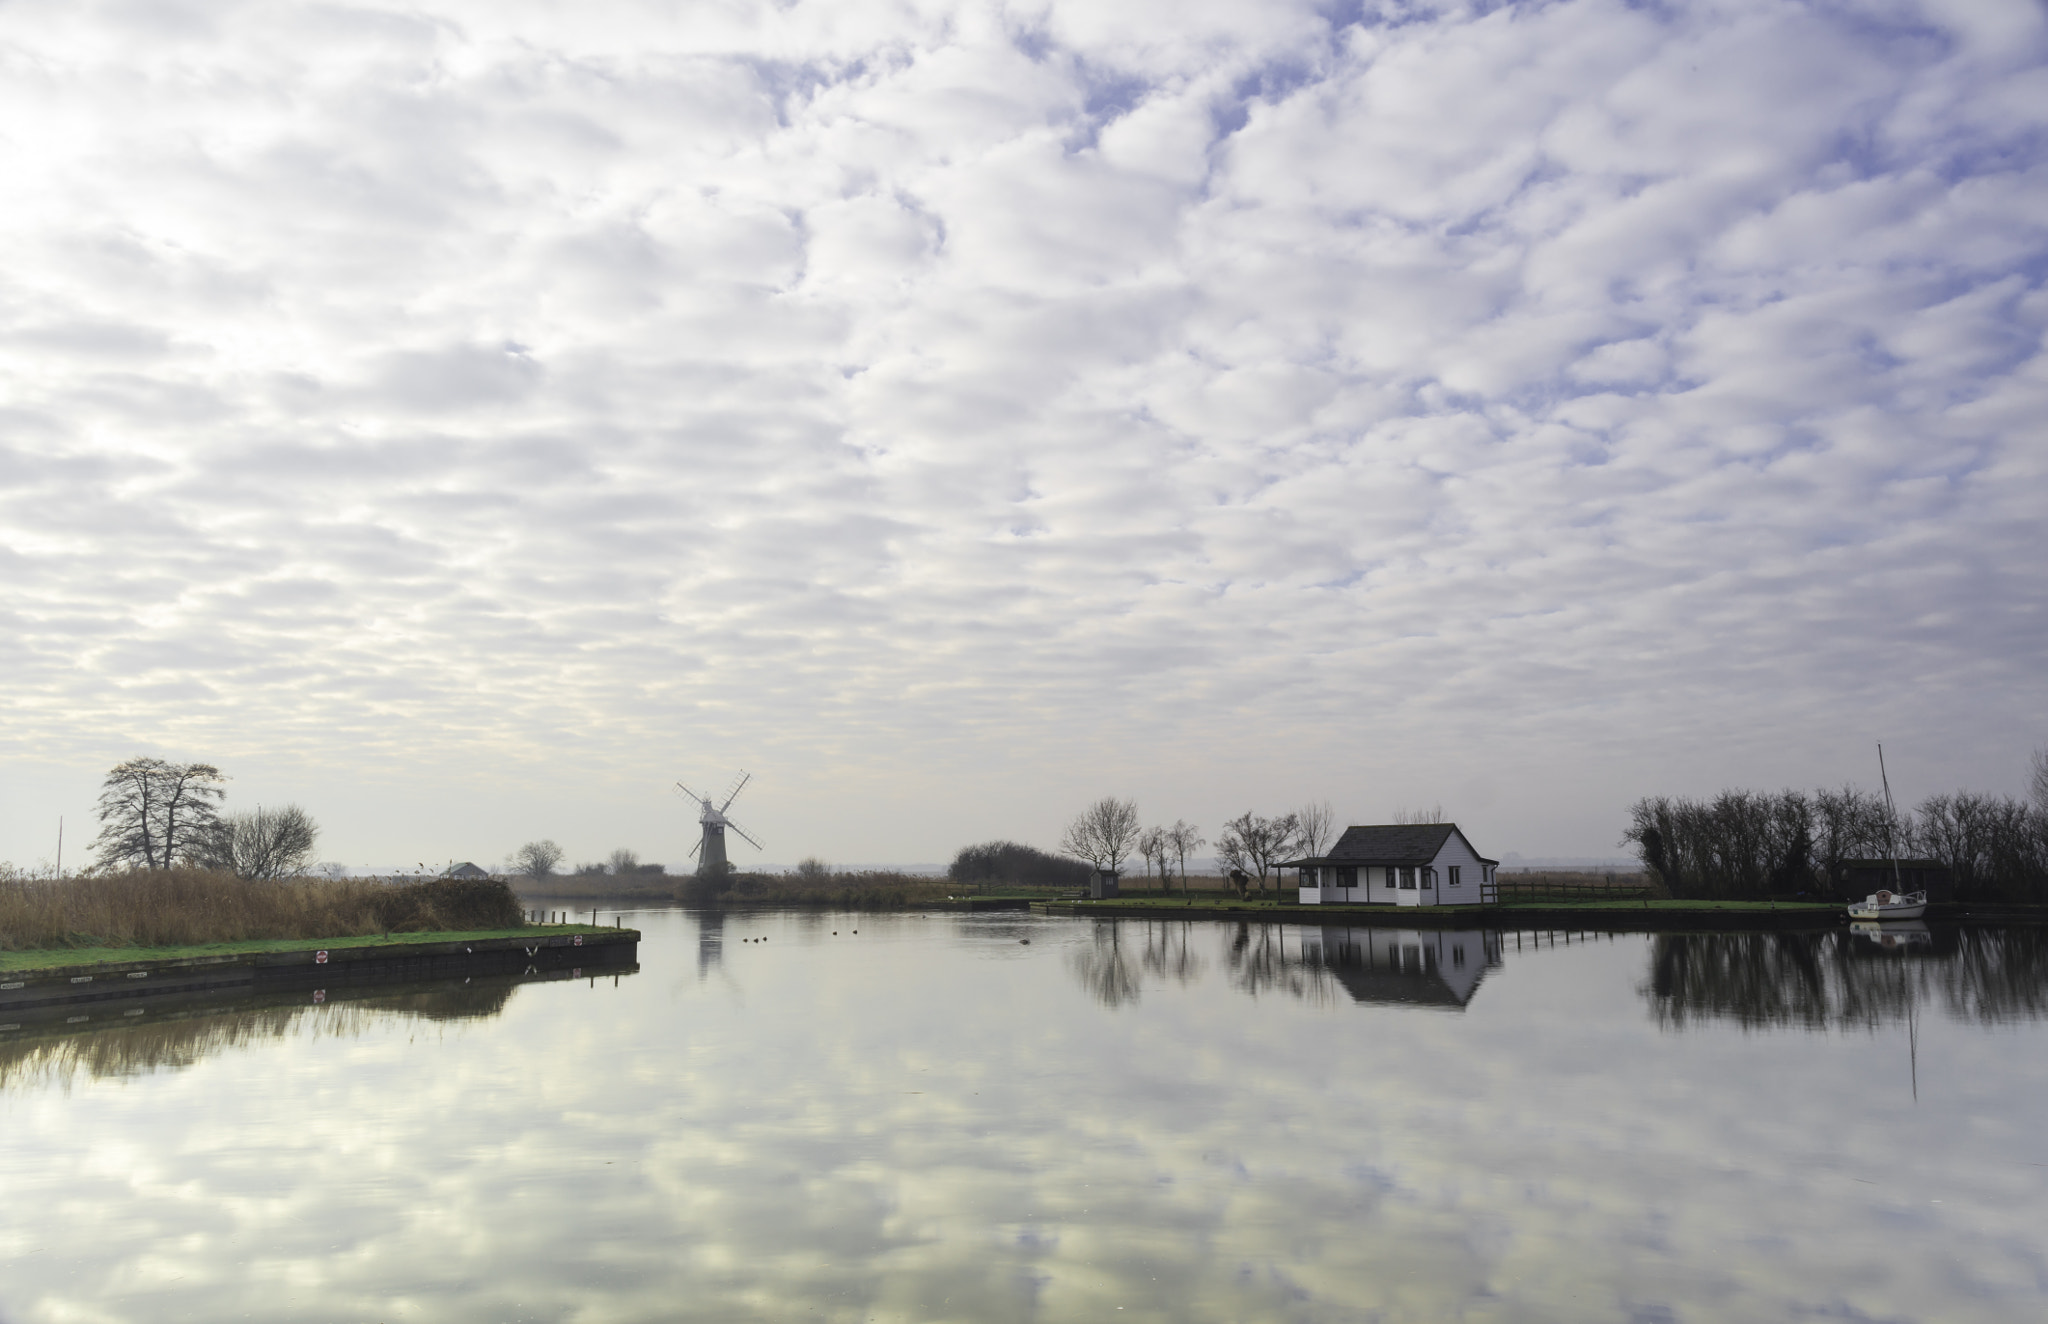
(1430, 886)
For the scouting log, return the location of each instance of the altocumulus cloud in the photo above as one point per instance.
(1524, 406)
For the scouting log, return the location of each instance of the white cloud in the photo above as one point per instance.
(984, 406)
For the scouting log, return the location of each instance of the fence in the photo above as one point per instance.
(1546, 889)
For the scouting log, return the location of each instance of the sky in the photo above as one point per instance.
(469, 420)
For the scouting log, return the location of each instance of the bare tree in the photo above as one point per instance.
(1314, 823)
(1152, 845)
(624, 861)
(1184, 837)
(1254, 844)
(2038, 784)
(264, 843)
(1103, 833)
(156, 814)
(1433, 814)
(537, 859)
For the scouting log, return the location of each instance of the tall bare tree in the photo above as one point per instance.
(1184, 837)
(263, 843)
(1433, 814)
(1152, 845)
(1313, 824)
(1255, 844)
(624, 861)
(155, 814)
(2038, 783)
(1103, 834)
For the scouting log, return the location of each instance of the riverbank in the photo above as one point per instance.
(50, 977)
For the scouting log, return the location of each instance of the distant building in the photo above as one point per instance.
(466, 870)
(1398, 864)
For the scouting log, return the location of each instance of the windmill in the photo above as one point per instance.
(710, 851)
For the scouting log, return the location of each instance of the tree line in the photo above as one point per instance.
(1756, 844)
(1111, 830)
(156, 814)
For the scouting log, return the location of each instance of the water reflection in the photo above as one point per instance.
(935, 1120)
(1328, 965)
(60, 1045)
(1866, 977)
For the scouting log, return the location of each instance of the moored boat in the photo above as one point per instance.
(1885, 904)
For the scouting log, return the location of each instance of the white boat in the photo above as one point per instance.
(1885, 905)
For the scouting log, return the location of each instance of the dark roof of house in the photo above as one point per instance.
(466, 870)
(1413, 987)
(1391, 843)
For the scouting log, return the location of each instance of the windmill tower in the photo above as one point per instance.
(710, 850)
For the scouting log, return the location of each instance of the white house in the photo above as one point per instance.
(1398, 864)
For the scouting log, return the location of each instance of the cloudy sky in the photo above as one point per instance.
(469, 419)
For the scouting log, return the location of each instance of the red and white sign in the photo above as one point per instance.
(578, 941)
(319, 995)
(319, 958)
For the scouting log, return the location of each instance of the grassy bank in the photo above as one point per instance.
(43, 958)
(199, 907)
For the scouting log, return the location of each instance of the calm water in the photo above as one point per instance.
(933, 1120)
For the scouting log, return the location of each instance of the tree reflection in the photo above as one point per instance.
(54, 1049)
(1259, 963)
(1106, 967)
(1855, 979)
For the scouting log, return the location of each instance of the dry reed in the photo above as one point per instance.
(187, 907)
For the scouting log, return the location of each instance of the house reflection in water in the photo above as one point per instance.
(1333, 964)
(1434, 968)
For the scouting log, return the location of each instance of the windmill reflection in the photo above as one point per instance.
(1869, 976)
(710, 941)
(1333, 964)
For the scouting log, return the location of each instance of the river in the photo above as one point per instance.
(913, 1117)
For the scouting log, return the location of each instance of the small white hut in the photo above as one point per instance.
(1398, 864)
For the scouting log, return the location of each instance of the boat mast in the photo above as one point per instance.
(1891, 814)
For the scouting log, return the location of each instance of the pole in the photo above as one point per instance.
(1890, 813)
(60, 846)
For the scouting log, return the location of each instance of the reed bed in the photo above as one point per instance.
(188, 907)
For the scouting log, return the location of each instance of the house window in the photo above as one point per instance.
(1428, 877)
(1347, 878)
(1451, 875)
(1407, 878)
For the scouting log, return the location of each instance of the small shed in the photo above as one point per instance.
(1102, 884)
(465, 870)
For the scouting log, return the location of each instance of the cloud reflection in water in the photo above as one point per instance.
(930, 1120)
